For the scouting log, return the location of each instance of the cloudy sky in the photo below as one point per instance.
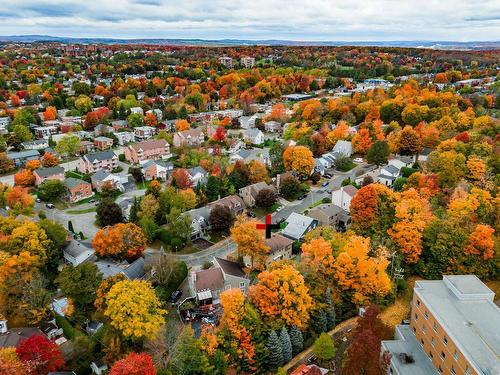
(328, 20)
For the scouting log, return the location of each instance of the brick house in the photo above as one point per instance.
(141, 133)
(90, 163)
(249, 193)
(157, 169)
(153, 149)
(233, 202)
(103, 143)
(190, 137)
(77, 189)
(45, 174)
(280, 247)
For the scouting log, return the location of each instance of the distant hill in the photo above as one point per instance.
(268, 42)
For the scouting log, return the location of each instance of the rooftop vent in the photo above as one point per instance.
(406, 358)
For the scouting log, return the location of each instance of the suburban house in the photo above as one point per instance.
(131, 271)
(93, 162)
(298, 225)
(86, 147)
(388, 174)
(199, 221)
(76, 252)
(11, 337)
(259, 154)
(233, 202)
(44, 131)
(304, 369)
(189, 137)
(141, 133)
(103, 143)
(273, 127)
(235, 145)
(77, 189)
(342, 196)
(198, 176)
(247, 61)
(20, 158)
(4, 123)
(249, 193)
(44, 174)
(343, 148)
(329, 214)
(38, 144)
(124, 137)
(280, 248)
(104, 178)
(234, 277)
(253, 136)
(138, 110)
(157, 169)
(247, 122)
(152, 149)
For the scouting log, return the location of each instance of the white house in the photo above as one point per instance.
(388, 174)
(254, 136)
(124, 137)
(342, 196)
(137, 110)
(77, 252)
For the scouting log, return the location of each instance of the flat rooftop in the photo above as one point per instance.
(406, 342)
(464, 307)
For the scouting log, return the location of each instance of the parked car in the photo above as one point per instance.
(279, 208)
(38, 200)
(50, 206)
(250, 214)
(174, 297)
(92, 201)
(358, 160)
(325, 183)
(327, 175)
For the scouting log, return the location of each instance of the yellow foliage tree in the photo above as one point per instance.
(298, 159)
(134, 309)
(250, 241)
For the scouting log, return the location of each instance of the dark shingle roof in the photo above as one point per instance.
(230, 268)
(102, 155)
(46, 172)
(71, 182)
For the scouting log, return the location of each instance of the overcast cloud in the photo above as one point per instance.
(342, 20)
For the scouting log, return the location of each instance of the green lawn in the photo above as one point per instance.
(78, 212)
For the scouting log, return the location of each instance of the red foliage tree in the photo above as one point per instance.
(42, 355)
(182, 178)
(134, 364)
(219, 135)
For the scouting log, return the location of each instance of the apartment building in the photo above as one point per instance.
(248, 62)
(454, 329)
(152, 149)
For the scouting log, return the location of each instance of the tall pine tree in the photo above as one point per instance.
(296, 339)
(134, 211)
(286, 345)
(275, 358)
(330, 310)
(319, 321)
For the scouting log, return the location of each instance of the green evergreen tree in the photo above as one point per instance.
(134, 211)
(122, 114)
(70, 227)
(296, 339)
(275, 352)
(319, 321)
(213, 188)
(183, 113)
(286, 345)
(330, 310)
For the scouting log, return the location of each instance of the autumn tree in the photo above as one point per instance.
(412, 214)
(323, 348)
(49, 160)
(299, 159)
(150, 119)
(19, 200)
(103, 289)
(50, 113)
(24, 177)
(481, 242)
(10, 364)
(266, 198)
(476, 167)
(361, 142)
(134, 309)
(282, 296)
(42, 354)
(221, 217)
(181, 125)
(108, 213)
(257, 172)
(187, 356)
(409, 142)
(134, 364)
(68, 145)
(378, 153)
(250, 241)
(181, 178)
(32, 164)
(120, 241)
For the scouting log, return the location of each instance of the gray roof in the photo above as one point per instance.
(76, 248)
(297, 225)
(252, 132)
(100, 175)
(407, 343)
(193, 171)
(134, 270)
(71, 182)
(46, 172)
(23, 154)
(163, 163)
(101, 155)
(230, 268)
(329, 209)
(387, 177)
(464, 307)
(14, 335)
(343, 147)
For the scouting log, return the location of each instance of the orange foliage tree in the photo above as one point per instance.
(361, 142)
(49, 160)
(150, 119)
(412, 214)
(181, 178)
(24, 177)
(250, 241)
(282, 296)
(299, 159)
(476, 167)
(318, 253)
(481, 242)
(257, 171)
(120, 241)
(134, 364)
(32, 164)
(19, 199)
(50, 113)
(362, 276)
(181, 125)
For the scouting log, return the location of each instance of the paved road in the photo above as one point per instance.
(220, 249)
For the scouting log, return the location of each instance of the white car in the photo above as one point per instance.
(279, 209)
(358, 160)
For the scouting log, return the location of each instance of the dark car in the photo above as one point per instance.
(250, 214)
(327, 175)
(92, 201)
(50, 206)
(174, 297)
(325, 183)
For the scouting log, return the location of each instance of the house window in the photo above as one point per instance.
(422, 342)
(431, 355)
(453, 371)
(418, 302)
(416, 316)
(443, 355)
(435, 327)
(445, 340)
(455, 356)
(242, 284)
(467, 370)
(426, 315)
(432, 341)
